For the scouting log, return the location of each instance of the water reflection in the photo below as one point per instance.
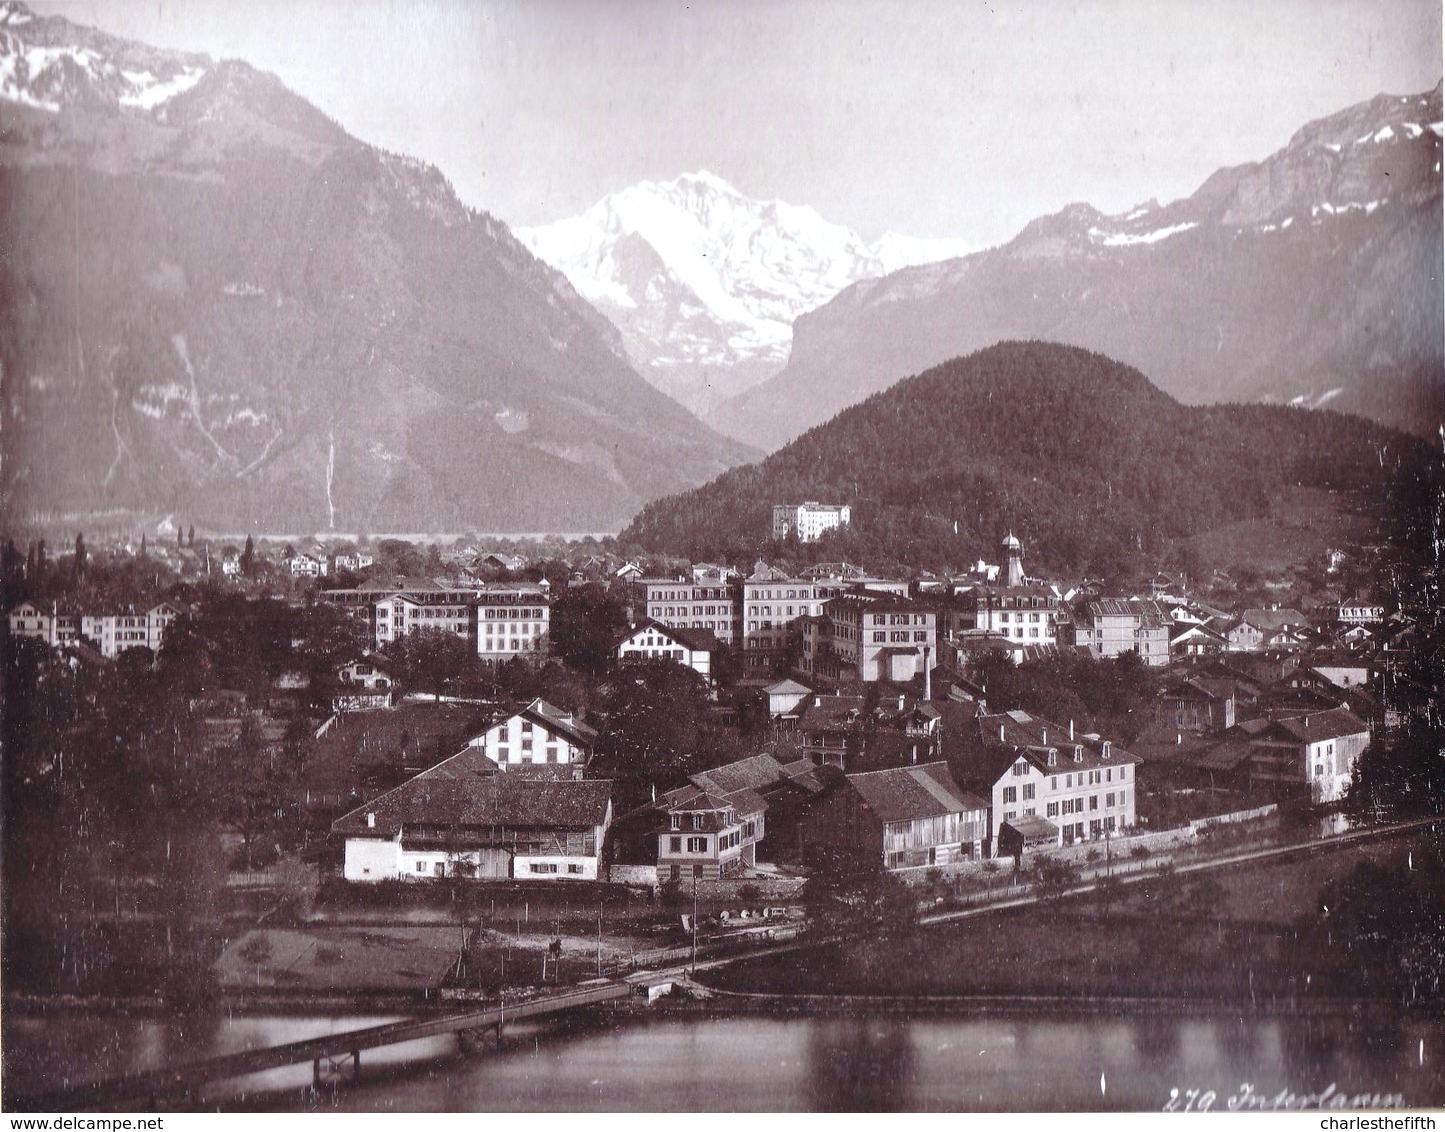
(864, 1062)
(1156, 1039)
(860, 1064)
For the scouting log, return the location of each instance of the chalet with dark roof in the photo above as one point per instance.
(1317, 750)
(1198, 703)
(903, 817)
(464, 818)
(712, 826)
(1259, 629)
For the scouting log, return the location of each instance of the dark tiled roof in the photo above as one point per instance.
(1323, 725)
(1032, 738)
(825, 712)
(753, 773)
(468, 790)
(905, 793)
(698, 640)
(1272, 620)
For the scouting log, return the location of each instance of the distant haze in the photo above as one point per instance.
(960, 119)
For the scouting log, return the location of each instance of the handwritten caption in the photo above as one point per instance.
(1247, 1098)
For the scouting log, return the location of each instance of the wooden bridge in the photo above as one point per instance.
(175, 1080)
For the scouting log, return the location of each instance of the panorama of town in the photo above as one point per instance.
(382, 771)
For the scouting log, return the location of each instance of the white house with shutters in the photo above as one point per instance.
(540, 735)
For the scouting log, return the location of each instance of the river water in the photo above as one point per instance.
(879, 1061)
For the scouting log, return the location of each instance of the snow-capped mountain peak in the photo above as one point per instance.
(48, 63)
(705, 282)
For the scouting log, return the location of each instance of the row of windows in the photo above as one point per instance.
(696, 611)
(694, 844)
(551, 867)
(663, 654)
(1076, 805)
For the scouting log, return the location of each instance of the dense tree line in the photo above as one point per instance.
(1112, 697)
(1084, 459)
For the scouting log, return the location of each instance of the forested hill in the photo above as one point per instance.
(1083, 458)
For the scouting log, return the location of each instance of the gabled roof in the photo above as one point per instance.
(1196, 630)
(562, 722)
(906, 793)
(1200, 687)
(468, 790)
(752, 773)
(697, 640)
(787, 688)
(741, 784)
(1320, 726)
(1272, 620)
(695, 797)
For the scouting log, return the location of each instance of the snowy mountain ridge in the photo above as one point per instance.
(705, 283)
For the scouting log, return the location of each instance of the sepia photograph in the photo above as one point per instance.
(689, 556)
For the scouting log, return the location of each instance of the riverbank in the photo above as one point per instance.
(1356, 924)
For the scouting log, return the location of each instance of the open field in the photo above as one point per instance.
(334, 959)
(1253, 934)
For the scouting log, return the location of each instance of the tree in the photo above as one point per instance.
(654, 732)
(191, 536)
(248, 557)
(852, 892)
(142, 544)
(78, 566)
(431, 660)
(1052, 878)
(1403, 775)
(587, 622)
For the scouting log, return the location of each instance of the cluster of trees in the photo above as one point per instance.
(1080, 456)
(1113, 697)
(117, 792)
(1390, 921)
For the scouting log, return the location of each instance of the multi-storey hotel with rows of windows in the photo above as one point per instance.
(500, 621)
(681, 604)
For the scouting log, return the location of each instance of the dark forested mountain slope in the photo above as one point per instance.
(1079, 455)
(1312, 277)
(218, 303)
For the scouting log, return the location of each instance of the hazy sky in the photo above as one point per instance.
(961, 118)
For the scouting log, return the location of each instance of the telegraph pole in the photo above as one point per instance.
(694, 923)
